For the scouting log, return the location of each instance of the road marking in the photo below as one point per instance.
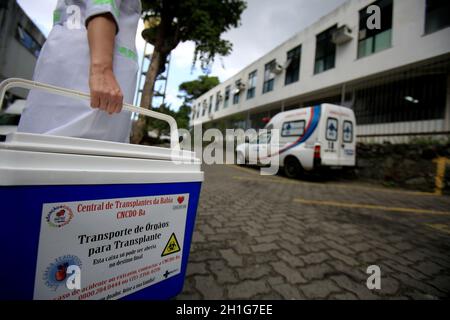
(281, 180)
(440, 227)
(369, 206)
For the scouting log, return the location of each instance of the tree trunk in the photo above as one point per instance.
(139, 127)
(150, 78)
(160, 52)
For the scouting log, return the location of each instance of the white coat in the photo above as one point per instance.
(65, 61)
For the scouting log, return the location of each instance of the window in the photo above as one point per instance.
(28, 41)
(347, 132)
(415, 98)
(237, 92)
(293, 65)
(293, 128)
(210, 104)
(218, 98)
(373, 41)
(252, 77)
(437, 15)
(325, 51)
(236, 97)
(332, 129)
(198, 110)
(269, 76)
(227, 96)
(204, 108)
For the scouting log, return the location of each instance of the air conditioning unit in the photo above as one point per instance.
(241, 86)
(342, 35)
(277, 69)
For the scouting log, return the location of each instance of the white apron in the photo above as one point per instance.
(64, 61)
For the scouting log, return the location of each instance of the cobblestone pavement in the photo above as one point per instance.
(272, 238)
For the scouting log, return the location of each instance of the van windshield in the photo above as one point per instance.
(9, 119)
(262, 138)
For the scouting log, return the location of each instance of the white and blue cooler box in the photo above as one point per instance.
(123, 213)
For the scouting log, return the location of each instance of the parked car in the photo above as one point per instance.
(9, 120)
(310, 138)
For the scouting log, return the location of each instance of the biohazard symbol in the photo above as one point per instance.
(172, 246)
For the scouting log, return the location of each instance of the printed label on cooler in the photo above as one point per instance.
(107, 249)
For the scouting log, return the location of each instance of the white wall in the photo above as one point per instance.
(409, 45)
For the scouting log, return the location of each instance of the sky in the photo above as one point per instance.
(264, 25)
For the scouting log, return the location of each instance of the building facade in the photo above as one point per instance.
(20, 44)
(394, 72)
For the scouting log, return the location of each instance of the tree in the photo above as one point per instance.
(191, 90)
(160, 126)
(169, 22)
(182, 116)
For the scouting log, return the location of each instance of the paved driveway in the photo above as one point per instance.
(272, 238)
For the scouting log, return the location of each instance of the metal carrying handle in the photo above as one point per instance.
(27, 84)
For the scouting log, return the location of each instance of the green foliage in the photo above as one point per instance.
(170, 22)
(191, 90)
(161, 126)
(181, 116)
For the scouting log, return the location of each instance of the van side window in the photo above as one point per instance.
(332, 129)
(293, 128)
(348, 132)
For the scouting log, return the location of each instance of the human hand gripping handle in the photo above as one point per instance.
(105, 90)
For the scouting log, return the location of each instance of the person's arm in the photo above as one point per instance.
(105, 90)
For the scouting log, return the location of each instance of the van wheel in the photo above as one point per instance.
(240, 159)
(292, 167)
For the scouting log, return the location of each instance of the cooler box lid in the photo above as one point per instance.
(34, 159)
(69, 145)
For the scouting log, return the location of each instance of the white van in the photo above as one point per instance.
(310, 138)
